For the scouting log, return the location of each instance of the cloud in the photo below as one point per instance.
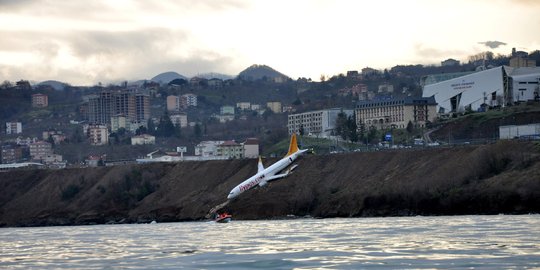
(87, 57)
(492, 44)
(434, 55)
(532, 3)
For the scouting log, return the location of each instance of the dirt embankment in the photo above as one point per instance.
(490, 179)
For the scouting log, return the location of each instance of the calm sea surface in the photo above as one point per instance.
(473, 242)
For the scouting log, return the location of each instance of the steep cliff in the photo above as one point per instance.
(489, 179)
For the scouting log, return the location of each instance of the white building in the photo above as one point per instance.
(230, 150)
(251, 148)
(188, 100)
(243, 105)
(143, 139)
(118, 122)
(498, 86)
(40, 149)
(386, 88)
(98, 134)
(207, 148)
(226, 110)
(179, 119)
(321, 122)
(274, 106)
(224, 118)
(525, 84)
(13, 127)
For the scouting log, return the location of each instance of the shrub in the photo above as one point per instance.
(69, 192)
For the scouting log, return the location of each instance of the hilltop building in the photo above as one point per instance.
(521, 59)
(173, 103)
(188, 100)
(55, 135)
(356, 90)
(226, 110)
(134, 106)
(321, 123)
(243, 105)
(40, 101)
(143, 139)
(97, 134)
(395, 113)
(274, 106)
(386, 88)
(179, 119)
(13, 128)
(450, 62)
(118, 122)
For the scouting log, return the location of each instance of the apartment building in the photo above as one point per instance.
(13, 127)
(173, 103)
(40, 101)
(396, 113)
(179, 119)
(274, 106)
(98, 134)
(40, 150)
(321, 122)
(230, 149)
(103, 106)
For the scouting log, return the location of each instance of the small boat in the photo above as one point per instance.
(223, 218)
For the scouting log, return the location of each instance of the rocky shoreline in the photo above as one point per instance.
(490, 179)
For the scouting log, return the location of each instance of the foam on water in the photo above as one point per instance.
(489, 242)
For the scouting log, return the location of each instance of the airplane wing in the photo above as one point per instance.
(260, 166)
(281, 175)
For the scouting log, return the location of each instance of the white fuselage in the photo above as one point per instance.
(260, 178)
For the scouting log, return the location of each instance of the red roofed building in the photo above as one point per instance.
(230, 149)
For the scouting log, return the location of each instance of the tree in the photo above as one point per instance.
(341, 125)
(178, 131)
(197, 131)
(165, 127)
(150, 127)
(372, 134)
(77, 135)
(410, 127)
(141, 130)
(51, 141)
(352, 133)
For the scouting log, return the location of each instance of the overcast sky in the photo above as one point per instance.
(85, 42)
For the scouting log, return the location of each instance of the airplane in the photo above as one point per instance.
(265, 175)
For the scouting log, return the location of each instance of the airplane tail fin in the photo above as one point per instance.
(260, 166)
(293, 146)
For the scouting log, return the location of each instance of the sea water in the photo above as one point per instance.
(446, 242)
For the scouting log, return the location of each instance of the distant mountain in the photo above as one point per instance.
(166, 77)
(213, 75)
(258, 72)
(58, 86)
